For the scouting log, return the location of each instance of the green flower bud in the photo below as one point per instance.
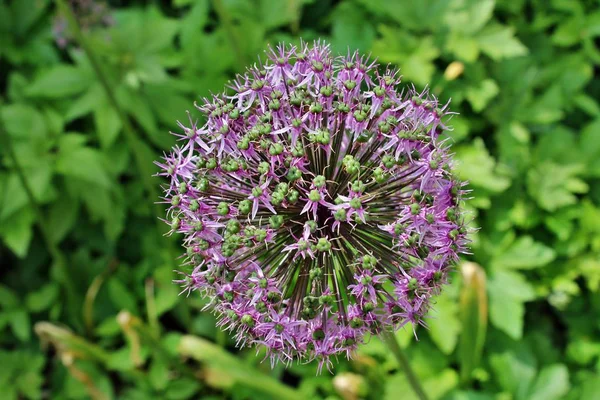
(276, 221)
(314, 195)
(319, 181)
(323, 244)
(223, 208)
(245, 206)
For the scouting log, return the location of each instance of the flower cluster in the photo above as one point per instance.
(317, 203)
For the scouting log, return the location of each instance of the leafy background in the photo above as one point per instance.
(87, 307)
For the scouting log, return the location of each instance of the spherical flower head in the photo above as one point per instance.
(317, 204)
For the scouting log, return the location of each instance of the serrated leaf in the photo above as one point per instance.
(479, 96)
(554, 186)
(507, 293)
(499, 42)
(414, 55)
(478, 167)
(524, 253)
(464, 47)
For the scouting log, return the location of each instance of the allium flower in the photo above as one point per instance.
(317, 204)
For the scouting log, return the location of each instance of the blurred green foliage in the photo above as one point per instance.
(86, 274)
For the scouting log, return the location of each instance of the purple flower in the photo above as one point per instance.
(317, 204)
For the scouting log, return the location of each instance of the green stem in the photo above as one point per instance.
(225, 18)
(390, 340)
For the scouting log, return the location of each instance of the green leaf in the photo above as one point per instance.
(17, 231)
(568, 31)
(591, 389)
(86, 103)
(499, 42)
(159, 373)
(62, 216)
(444, 324)
(514, 371)
(182, 388)
(413, 55)
(169, 107)
(554, 186)
(108, 124)
(524, 253)
(20, 324)
(398, 387)
(588, 104)
(59, 81)
(167, 297)
(145, 31)
(469, 16)
(507, 293)
(350, 30)
(464, 47)
(193, 23)
(8, 298)
(76, 160)
(279, 13)
(121, 297)
(479, 96)
(551, 384)
(478, 167)
(420, 16)
(590, 270)
(43, 298)
(24, 122)
(590, 148)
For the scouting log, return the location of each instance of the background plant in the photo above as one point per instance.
(86, 272)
